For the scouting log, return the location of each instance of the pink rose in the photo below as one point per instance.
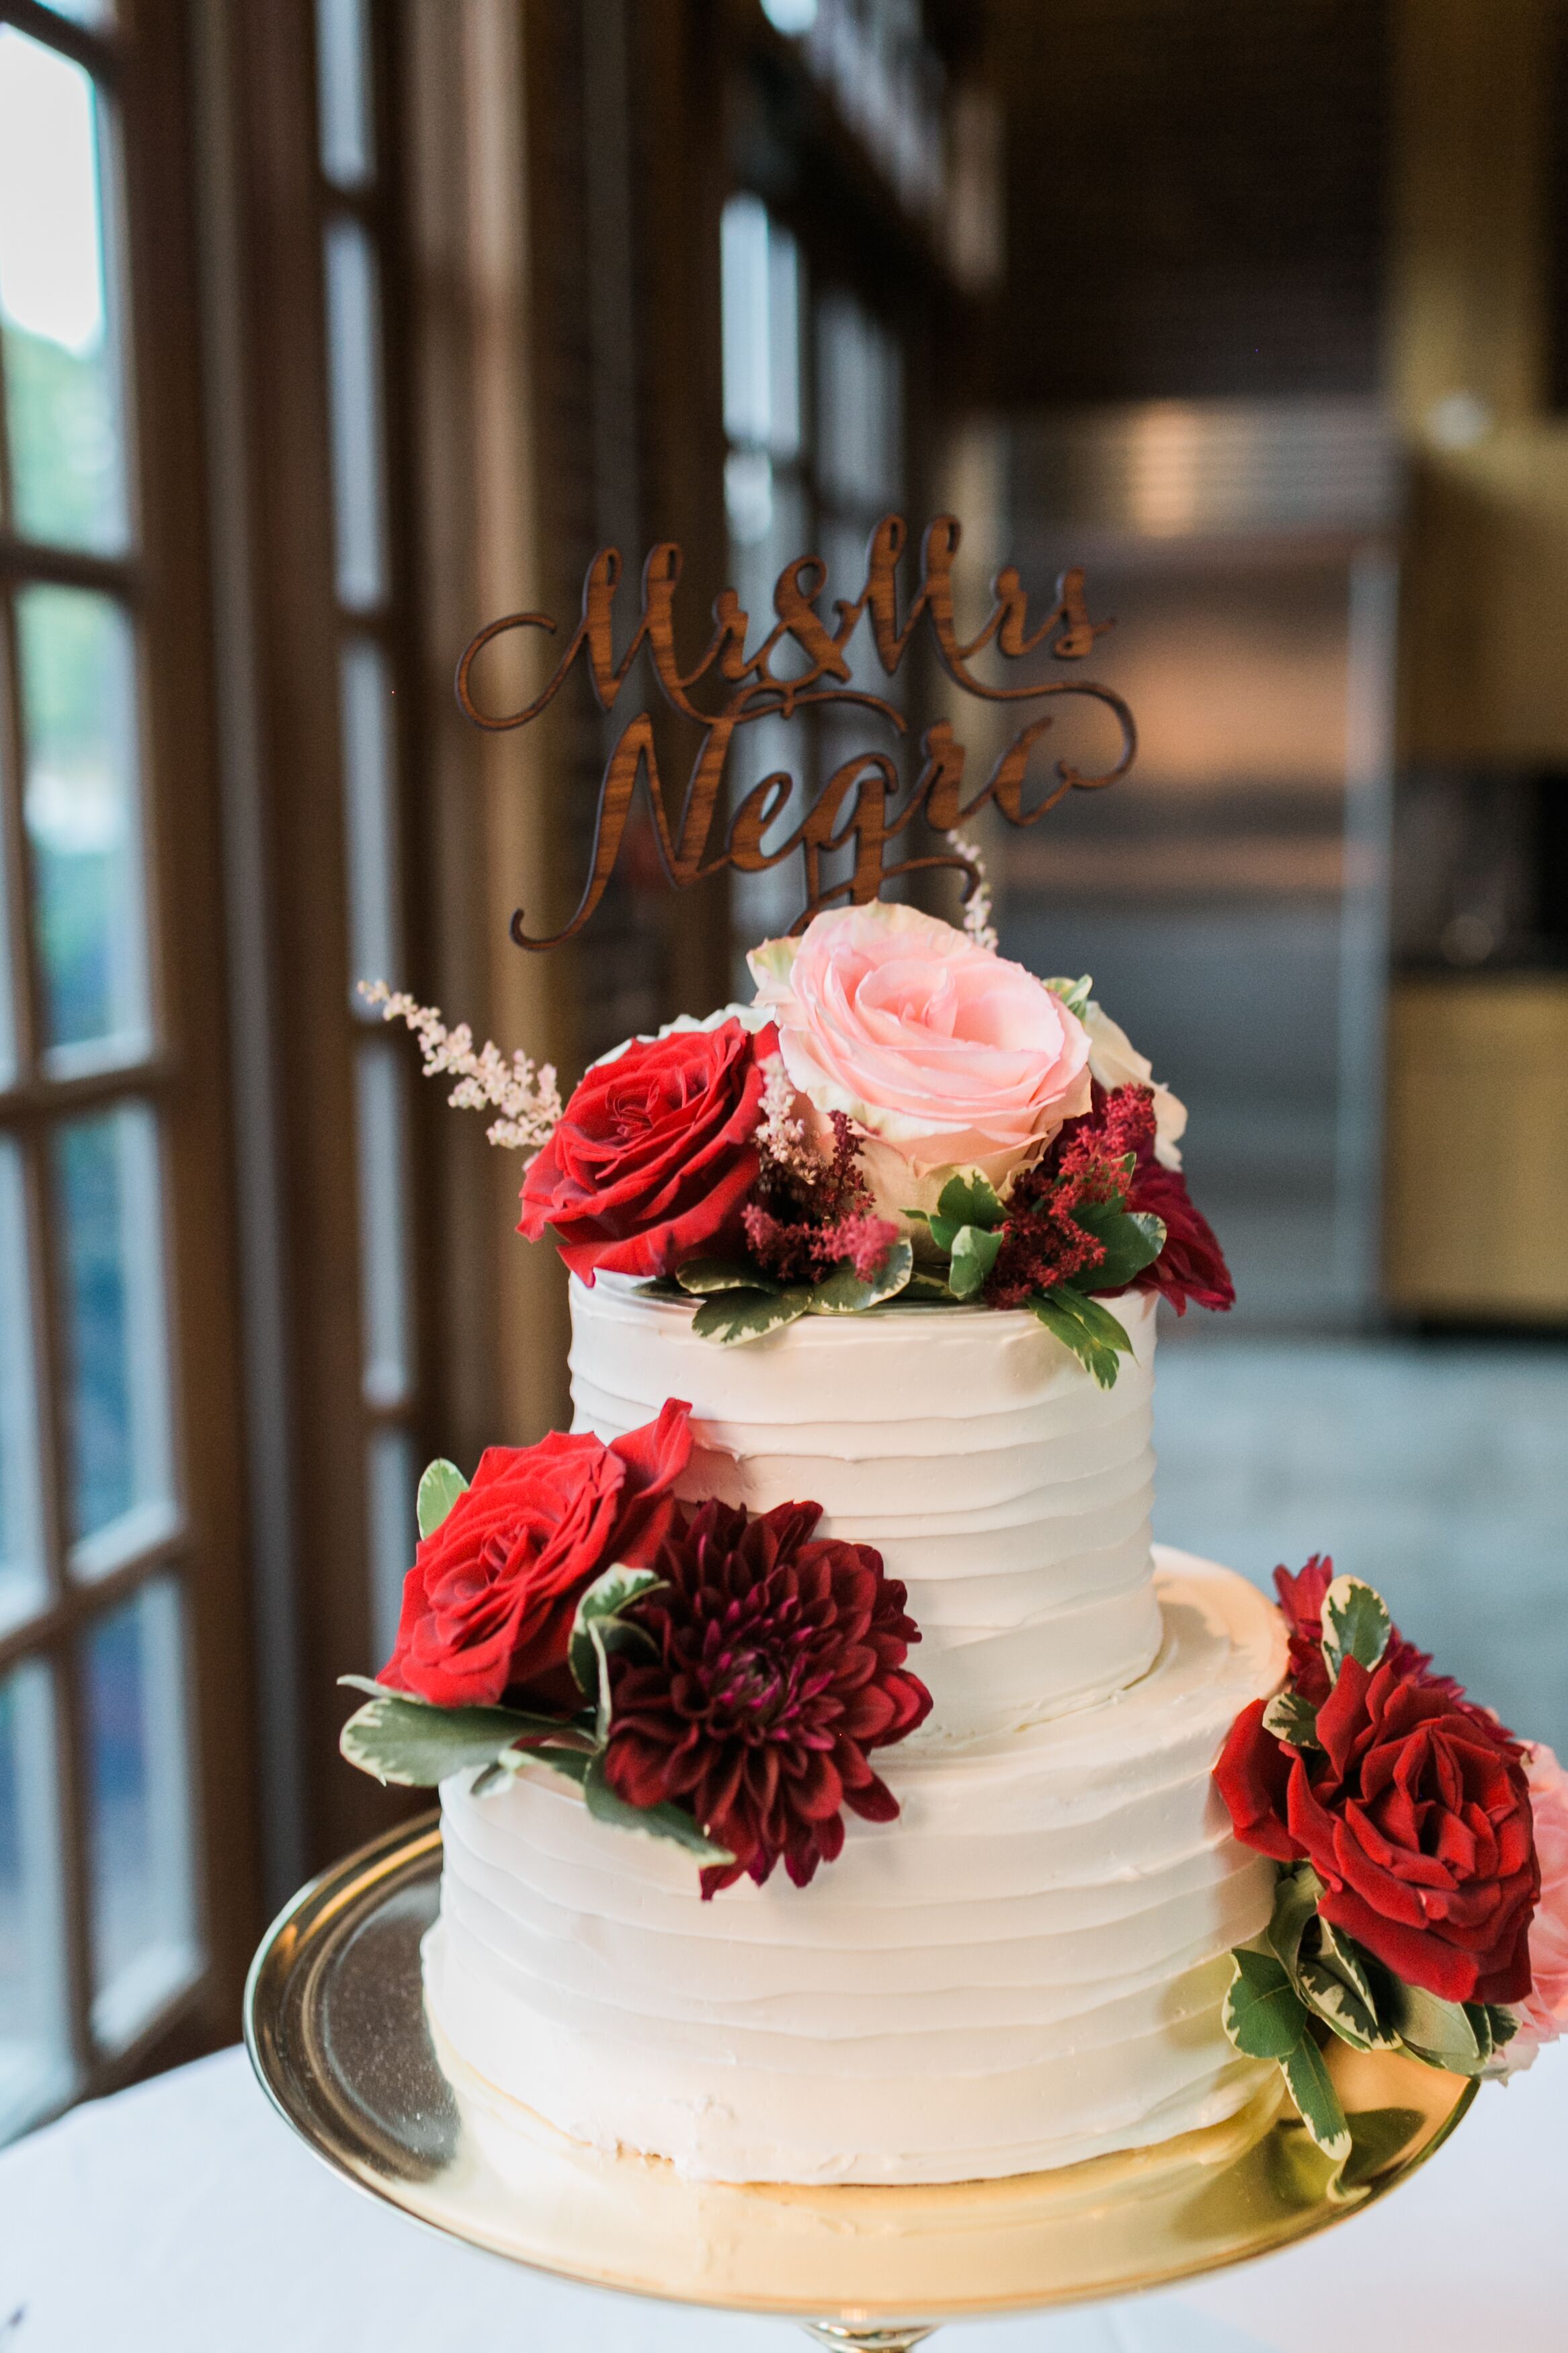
(944, 1055)
(1543, 2015)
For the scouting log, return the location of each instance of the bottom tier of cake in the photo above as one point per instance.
(1022, 1971)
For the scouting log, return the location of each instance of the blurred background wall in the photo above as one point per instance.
(332, 330)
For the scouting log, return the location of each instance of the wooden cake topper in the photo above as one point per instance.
(858, 803)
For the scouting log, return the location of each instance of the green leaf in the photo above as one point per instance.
(1074, 994)
(1355, 1624)
(1290, 1717)
(737, 1315)
(1438, 2032)
(1504, 2024)
(597, 1629)
(975, 1252)
(1296, 1894)
(968, 1201)
(669, 1823)
(1132, 1240)
(663, 1286)
(1264, 2016)
(705, 1275)
(1311, 2088)
(396, 1738)
(844, 1292)
(925, 1290)
(1091, 1331)
(440, 1484)
(1338, 1988)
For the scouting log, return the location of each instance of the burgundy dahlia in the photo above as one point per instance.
(779, 1668)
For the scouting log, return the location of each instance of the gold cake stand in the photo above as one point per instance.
(335, 2025)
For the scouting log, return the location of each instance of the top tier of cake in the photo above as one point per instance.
(1010, 1495)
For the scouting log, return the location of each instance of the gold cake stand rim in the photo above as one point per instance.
(1256, 2180)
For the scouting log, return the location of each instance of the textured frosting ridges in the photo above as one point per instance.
(1010, 1495)
(1025, 1969)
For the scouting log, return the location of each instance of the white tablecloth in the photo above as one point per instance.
(182, 2217)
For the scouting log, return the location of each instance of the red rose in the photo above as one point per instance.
(488, 1604)
(654, 1155)
(1415, 1813)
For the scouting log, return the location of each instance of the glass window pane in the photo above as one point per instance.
(35, 2048)
(97, 16)
(393, 1479)
(109, 1221)
(343, 92)
(22, 1576)
(354, 356)
(381, 1073)
(858, 407)
(143, 1903)
(58, 339)
(376, 947)
(78, 718)
(761, 300)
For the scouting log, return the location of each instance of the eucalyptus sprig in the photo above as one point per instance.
(968, 1229)
(739, 1302)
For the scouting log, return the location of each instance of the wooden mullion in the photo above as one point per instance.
(57, 1638)
(36, 1101)
(206, 1553)
(25, 560)
(13, 881)
(96, 51)
(78, 1600)
(65, 1659)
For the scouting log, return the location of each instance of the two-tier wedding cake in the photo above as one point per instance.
(826, 1756)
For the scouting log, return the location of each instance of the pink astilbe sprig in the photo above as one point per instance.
(782, 1140)
(524, 1092)
(977, 908)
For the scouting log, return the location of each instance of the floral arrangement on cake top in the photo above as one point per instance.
(1422, 1903)
(711, 1678)
(901, 1117)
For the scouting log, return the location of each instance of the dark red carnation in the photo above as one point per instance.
(488, 1604)
(779, 1667)
(1301, 1605)
(1192, 1264)
(654, 1155)
(1417, 1818)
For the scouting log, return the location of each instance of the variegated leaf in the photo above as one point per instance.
(1356, 1625)
(440, 1484)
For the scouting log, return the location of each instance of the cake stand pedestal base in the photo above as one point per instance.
(336, 2028)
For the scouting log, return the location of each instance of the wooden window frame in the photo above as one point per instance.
(162, 585)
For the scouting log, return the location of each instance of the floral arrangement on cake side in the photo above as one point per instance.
(901, 1117)
(719, 1680)
(1422, 1902)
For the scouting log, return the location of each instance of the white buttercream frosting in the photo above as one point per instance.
(1010, 1495)
(1023, 1970)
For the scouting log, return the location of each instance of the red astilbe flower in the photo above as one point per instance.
(779, 1668)
(800, 1225)
(1090, 1154)
(1042, 1242)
